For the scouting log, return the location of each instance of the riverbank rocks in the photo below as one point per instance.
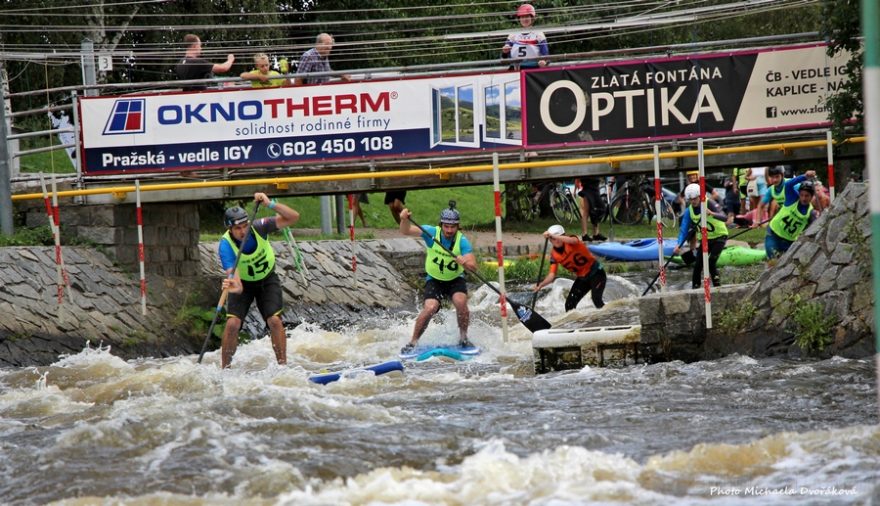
(822, 282)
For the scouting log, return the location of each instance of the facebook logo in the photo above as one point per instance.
(771, 112)
(127, 117)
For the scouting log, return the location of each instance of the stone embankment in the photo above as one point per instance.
(103, 306)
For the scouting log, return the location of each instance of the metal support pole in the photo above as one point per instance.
(340, 214)
(326, 215)
(6, 227)
(88, 66)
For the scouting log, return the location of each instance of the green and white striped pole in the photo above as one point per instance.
(871, 83)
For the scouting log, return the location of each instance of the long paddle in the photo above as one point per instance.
(540, 271)
(532, 320)
(226, 290)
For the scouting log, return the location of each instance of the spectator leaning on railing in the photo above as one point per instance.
(192, 66)
(317, 59)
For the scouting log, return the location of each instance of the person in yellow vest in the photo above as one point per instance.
(261, 76)
(445, 273)
(570, 252)
(793, 217)
(255, 278)
(716, 231)
(774, 197)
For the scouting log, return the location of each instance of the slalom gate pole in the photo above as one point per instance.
(704, 234)
(140, 229)
(658, 194)
(830, 142)
(351, 197)
(499, 245)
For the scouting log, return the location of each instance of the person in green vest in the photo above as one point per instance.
(255, 277)
(774, 197)
(793, 217)
(445, 273)
(716, 231)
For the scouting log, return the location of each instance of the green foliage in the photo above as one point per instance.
(39, 236)
(841, 26)
(522, 270)
(736, 319)
(812, 328)
(195, 320)
(859, 244)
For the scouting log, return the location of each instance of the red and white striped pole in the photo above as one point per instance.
(658, 194)
(830, 142)
(704, 232)
(140, 228)
(499, 244)
(351, 197)
(62, 278)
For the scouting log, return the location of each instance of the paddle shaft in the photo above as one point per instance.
(225, 292)
(540, 271)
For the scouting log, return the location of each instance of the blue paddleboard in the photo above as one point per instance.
(391, 365)
(455, 352)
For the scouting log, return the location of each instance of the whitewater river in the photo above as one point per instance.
(95, 429)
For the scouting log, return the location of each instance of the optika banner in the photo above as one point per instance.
(283, 126)
(782, 88)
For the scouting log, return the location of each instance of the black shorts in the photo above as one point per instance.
(390, 197)
(439, 290)
(266, 291)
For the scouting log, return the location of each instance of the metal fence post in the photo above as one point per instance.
(5, 172)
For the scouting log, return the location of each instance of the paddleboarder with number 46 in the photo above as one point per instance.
(449, 255)
(570, 252)
(251, 275)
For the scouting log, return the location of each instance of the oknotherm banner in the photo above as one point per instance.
(781, 88)
(289, 125)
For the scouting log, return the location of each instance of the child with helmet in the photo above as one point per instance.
(445, 273)
(716, 227)
(570, 252)
(527, 45)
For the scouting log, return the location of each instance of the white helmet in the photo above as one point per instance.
(556, 230)
(692, 191)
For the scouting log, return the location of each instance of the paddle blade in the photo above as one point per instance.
(532, 320)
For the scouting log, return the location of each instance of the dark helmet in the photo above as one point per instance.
(776, 171)
(234, 216)
(450, 215)
(808, 186)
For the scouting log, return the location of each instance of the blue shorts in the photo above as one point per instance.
(775, 245)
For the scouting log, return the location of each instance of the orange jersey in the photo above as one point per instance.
(574, 257)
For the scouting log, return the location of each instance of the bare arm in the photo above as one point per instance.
(406, 226)
(285, 216)
(222, 68)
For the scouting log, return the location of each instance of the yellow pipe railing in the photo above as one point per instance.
(284, 182)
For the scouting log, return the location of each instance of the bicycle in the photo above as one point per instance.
(635, 200)
(565, 207)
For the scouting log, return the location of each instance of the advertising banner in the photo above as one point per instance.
(282, 126)
(782, 88)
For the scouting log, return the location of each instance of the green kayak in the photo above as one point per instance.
(734, 255)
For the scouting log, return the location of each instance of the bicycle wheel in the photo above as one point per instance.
(560, 206)
(627, 210)
(667, 215)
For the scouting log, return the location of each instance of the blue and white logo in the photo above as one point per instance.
(127, 117)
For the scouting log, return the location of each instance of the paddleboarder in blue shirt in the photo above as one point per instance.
(716, 229)
(445, 272)
(255, 277)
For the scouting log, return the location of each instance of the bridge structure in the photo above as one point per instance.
(439, 126)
